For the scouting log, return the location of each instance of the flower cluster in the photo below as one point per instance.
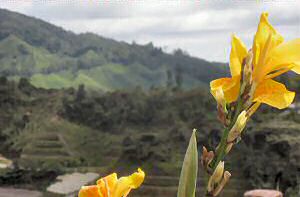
(251, 84)
(253, 71)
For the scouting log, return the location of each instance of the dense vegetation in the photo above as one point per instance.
(47, 132)
(53, 58)
(62, 129)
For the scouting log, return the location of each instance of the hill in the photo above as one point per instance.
(54, 58)
(49, 132)
(43, 133)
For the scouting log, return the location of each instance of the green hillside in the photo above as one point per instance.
(50, 132)
(54, 58)
(73, 129)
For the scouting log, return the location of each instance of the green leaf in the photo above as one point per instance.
(189, 171)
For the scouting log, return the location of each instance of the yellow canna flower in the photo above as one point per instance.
(111, 186)
(271, 58)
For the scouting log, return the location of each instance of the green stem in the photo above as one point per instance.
(220, 153)
(221, 149)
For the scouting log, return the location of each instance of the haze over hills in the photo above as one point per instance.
(53, 58)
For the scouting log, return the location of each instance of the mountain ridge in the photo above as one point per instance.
(33, 48)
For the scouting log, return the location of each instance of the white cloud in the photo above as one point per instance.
(203, 28)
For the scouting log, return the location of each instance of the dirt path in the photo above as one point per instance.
(11, 192)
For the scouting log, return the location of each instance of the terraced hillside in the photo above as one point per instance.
(46, 149)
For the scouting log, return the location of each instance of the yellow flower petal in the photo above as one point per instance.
(237, 55)
(264, 30)
(230, 87)
(287, 53)
(106, 184)
(296, 67)
(111, 186)
(274, 94)
(125, 184)
(89, 191)
(279, 71)
(266, 39)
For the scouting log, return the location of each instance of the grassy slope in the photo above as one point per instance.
(109, 77)
(18, 54)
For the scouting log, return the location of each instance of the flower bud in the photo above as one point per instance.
(228, 147)
(216, 177)
(247, 72)
(218, 173)
(224, 181)
(206, 158)
(253, 109)
(220, 97)
(222, 110)
(237, 127)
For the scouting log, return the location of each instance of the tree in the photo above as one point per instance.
(81, 93)
(169, 79)
(178, 77)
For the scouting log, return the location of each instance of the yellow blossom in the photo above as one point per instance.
(111, 186)
(271, 57)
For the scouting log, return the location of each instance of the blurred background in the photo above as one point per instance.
(92, 87)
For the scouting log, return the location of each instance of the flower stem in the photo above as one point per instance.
(220, 152)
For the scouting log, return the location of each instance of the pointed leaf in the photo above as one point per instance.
(189, 171)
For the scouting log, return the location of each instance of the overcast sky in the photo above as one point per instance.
(201, 27)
